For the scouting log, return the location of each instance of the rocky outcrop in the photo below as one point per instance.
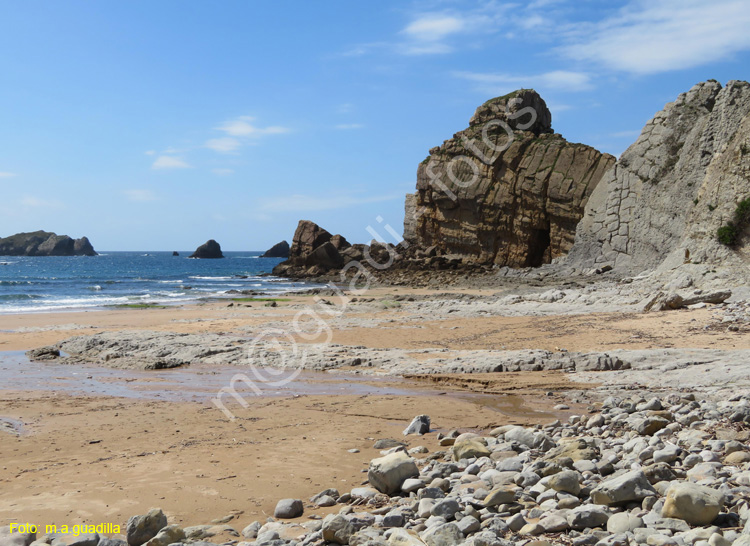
(279, 250)
(44, 243)
(315, 251)
(488, 198)
(208, 251)
(662, 204)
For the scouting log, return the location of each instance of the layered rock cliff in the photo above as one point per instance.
(507, 190)
(45, 243)
(662, 204)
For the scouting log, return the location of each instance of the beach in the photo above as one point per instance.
(88, 451)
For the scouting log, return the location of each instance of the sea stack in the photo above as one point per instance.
(209, 250)
(279, 250)
(488, 198)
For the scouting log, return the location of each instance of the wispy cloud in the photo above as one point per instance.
(430, 33)
(140, 196)
(438, 32)
(349, 126)
(557, 80)
(308, 203)
(223, 172)
(225, 145)
(170, 162)
(7, 175)
(241, 131)
(242, 127)
(648, 37)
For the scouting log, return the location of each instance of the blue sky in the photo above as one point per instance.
(157, 125)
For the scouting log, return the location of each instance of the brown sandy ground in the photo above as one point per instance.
(105, 459)
(583, 332)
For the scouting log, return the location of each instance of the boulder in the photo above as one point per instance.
(141, 529)
(568, 481)
(695, 504)
(337, 529)
(500, 495)
(623, 522)
(387, 474)
(168, 535)
(209, 250)
(629, 487)
(279, 250)
(444, 534)
(469, 449)
(419, 425)
(15, 538)
(288, 509)
(587, 517)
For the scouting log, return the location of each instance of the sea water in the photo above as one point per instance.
(38, 284)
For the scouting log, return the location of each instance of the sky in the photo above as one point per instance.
(158, 125)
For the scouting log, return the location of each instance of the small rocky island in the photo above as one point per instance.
(45, 243)
(209, 250)
(279, 250)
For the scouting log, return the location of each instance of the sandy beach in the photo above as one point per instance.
(82, 457)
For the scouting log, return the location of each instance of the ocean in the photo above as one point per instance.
(39, 284)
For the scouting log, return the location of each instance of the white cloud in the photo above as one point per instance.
(223, 172)
(7, 175)
(241, 127)
(428, 33)
(648, 37)
(307, 203)
(150, 152)
(141, 196)
(170, 162)
(348, 126)
(431, 27)
(558, 80)
(223, 145)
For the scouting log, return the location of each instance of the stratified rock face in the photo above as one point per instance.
(663, 202)
(208, 251)
(44, 243)
(487, 198)
(279, 250)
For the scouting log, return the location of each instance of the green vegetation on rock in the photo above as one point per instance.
(730, 232)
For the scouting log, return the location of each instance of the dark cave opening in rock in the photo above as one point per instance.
(538, 247)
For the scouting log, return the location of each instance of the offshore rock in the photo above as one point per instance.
(209, 250)
(45, 243)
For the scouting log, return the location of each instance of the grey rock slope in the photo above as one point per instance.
(660, 206)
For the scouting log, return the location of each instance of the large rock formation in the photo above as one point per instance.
(279, 250)
(315, 251)
(661, 205)
(208, 251)
(487, 198)
(44, 243)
